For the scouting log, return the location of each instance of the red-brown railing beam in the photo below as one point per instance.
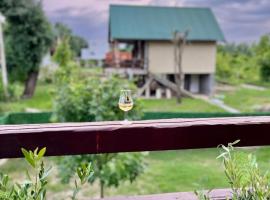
(109, 137)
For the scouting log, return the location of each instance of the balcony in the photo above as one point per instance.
(152, 135)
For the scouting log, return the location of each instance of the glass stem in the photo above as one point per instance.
(126, 115)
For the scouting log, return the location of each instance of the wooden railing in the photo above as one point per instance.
(111, 137)
(134, 63)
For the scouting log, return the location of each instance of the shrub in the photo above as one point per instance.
(14, 92)
(96, 99)
(35, 187)
(46, 74)
(92, 100)
(243, 174)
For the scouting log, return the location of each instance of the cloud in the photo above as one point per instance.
(240, 20)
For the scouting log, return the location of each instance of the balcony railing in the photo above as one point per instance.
(134, 63)
(111, 137)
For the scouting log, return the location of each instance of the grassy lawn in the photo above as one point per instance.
(170, 105)
(41, 100)
(247, 100)
(169, 171)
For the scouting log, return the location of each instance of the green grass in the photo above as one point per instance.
(247, 100)
(170, 105)
(41, 100)
(167, 171)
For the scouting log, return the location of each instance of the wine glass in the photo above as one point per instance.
(125, 102)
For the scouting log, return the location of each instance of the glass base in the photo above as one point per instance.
(126, 122)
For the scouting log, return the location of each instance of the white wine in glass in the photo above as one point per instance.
(125, 102)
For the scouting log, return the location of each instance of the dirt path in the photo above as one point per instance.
(3, 161)
(222, 105)
(253, 87)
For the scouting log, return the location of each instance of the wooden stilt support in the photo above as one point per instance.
(145, 87)
(116, 56)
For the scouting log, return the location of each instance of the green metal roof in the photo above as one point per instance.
(159, 23)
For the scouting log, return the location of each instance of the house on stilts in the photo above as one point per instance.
(147, 32)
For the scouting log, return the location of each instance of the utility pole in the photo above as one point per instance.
(3, 57)
(179, 41)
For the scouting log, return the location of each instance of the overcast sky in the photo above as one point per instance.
(240, 20)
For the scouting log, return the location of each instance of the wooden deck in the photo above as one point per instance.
(218, 194)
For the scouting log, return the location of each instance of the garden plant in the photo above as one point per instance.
(35, 185)
(246, 180)
(87, 99)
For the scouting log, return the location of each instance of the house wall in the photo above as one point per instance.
(198, 57)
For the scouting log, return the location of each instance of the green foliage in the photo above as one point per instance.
(265, 67)
(95, 99)
(243, 174)
(263, 49)
(46, 75)
(28, 36)
(14, 92)
(34, 157)
(35, 187)
(76, 43)
(63, 54)
(263, 45)
(109, 169)
(237, 64)
(84, 172)
(67, 68)
(92, 99)
(244, 63)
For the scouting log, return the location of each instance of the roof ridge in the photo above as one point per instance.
(158, 6)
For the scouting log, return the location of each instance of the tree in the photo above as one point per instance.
(263, 46)
(263, 54)
(76, 43)
(63, 54)
(265, 67)
(179, 40)
(95, 99)
(28, 38)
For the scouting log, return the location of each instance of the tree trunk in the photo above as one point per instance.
(101, 190)
(30, 85)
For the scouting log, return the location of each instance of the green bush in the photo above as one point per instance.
(92, 100)
(46, 74)
(246, 179)
(35, 185)
(14, 92)
(96, 99)
(243, 63)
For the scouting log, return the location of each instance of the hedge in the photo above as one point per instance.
(44, 117)
(170, 115)
(26, 118)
